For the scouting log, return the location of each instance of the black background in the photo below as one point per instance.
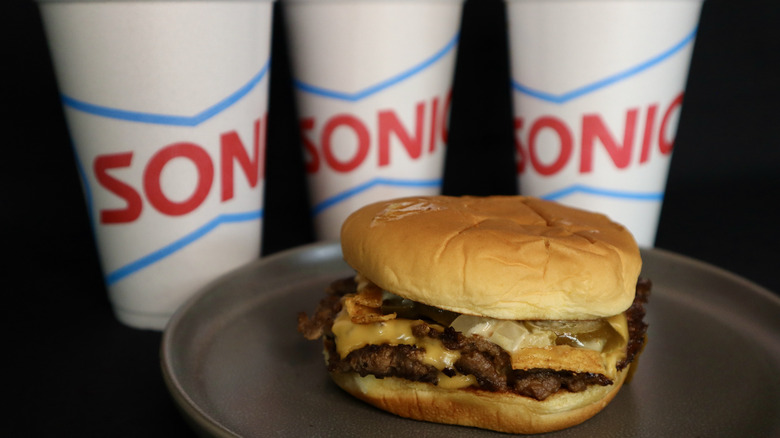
(76, 371)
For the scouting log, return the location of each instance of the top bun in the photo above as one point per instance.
(505, 257)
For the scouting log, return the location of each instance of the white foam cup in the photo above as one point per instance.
(373, 83)
(166, 106)
(597, 90)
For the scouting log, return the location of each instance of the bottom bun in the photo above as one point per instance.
(503, 412)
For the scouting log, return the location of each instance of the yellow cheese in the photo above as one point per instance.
(350, 337)
(456, 381)
(437, 355)
(615, 349)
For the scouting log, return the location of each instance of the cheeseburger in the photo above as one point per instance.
(506, 313)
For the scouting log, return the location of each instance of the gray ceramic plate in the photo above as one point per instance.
(236, 366)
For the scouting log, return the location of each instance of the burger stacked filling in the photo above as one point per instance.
(373, 332)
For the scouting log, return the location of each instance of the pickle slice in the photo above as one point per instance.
(409, 309)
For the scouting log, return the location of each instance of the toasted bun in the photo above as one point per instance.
(503, 412)
(505, 257)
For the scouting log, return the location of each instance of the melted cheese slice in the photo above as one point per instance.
(351, 336)
(529, 348)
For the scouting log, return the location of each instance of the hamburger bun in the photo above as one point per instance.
(507, 313)
(504, 257)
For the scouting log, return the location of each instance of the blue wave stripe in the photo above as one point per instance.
(167, 119)
(606, 82)
(356, 96)
(343, 196)
(609, 193)
(183, 242)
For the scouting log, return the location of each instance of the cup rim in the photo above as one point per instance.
(152, 1)
(368, 1)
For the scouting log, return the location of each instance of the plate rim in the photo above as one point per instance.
(194, 414)
(203, 422)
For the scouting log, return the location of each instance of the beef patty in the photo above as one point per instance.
(487, 362)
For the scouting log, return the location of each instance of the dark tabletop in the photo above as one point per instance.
(76, 371)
